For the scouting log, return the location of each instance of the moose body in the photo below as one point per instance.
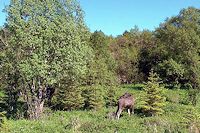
(125, 102)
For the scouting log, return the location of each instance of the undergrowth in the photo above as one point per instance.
(179, 116)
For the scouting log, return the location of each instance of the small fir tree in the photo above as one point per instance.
(154, 102)
(94, 97)
(73, 100)
(111, 99)
(70, 98)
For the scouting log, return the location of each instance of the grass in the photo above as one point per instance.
(175, 119)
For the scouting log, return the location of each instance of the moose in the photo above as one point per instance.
(126, 101)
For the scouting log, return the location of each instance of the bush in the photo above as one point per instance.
(2, 118)
(162, 125)
(193, 96)
(91, 127)
(176, 96)
(191, 120)
(4, 125)
(74, 124)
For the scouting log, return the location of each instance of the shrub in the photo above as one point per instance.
(4, 125)
(2, 118)
(191, 120)
(74, 124)
(176, 96)
(193, 96)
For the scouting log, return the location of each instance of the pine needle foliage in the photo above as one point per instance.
(155, 101)
(94, 97)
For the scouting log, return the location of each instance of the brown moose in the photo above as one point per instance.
(125, 102)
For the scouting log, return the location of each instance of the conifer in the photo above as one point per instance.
(154, 102)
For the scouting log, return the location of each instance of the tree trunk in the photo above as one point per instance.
(35, 109)
(35, 100)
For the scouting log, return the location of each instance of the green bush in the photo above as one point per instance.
(4, 126)
(2, 118)
(176, 95)
(191, 120)
(162, 125)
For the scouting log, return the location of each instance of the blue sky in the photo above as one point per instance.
(2, 14)
(116, 16)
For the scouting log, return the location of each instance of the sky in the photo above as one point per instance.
(113, 17)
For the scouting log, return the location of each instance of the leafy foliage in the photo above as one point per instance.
(48, 45)
(179, 38)
(102, 66)
(126, 54)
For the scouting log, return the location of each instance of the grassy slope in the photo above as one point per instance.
(175, 119)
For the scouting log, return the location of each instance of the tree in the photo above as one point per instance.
(69, 98)
(148, 55)
(125, 50)
(172, 71)
(48, 45)
(179, 39)
(154, 102)
(94, 97)
(9, 79)
(101, 75)
(102, 67)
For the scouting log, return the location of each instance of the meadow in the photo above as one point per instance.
(57, 75)
(179, 117)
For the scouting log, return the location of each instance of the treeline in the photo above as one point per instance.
(50, 58)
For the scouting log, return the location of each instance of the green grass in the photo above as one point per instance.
(174, 120)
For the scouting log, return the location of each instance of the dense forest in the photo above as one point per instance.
(54, 69)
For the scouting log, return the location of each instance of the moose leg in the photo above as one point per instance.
(119, 111)
(129, 111)
(132, 110)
